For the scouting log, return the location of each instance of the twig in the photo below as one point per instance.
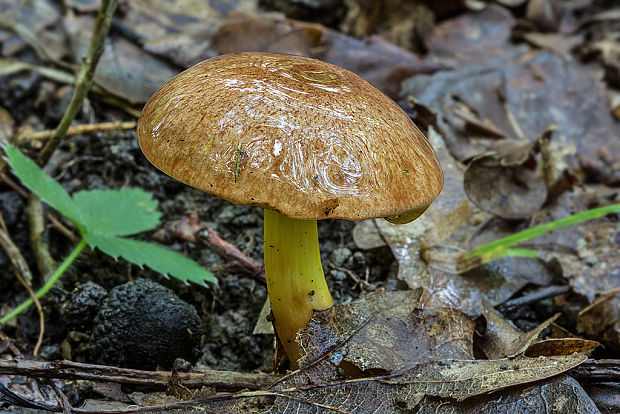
(220, 380)
(349, 273)
(65, 404)
(23, 274)
(79, 129)
(62, 228)
(36, 225)
(50, 216)
(16, 187)
(606, 296)
(12, 346)
(84, 79)
(533, 297)
(233, 255)
(602, 370)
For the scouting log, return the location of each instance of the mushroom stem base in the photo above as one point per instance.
(295, 280)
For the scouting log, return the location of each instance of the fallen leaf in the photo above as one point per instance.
(402, 23)
(507, 184)
(366, 235)
(471, 37)
(520, 92)
(494, 282)
(124, 69)
(381, 63)
(560, 346)
(385, 332)
(602, 320)
(562, 395)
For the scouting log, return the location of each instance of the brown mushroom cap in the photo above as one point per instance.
(306, 138)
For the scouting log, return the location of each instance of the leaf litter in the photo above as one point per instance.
(419, 355)
(486, 97)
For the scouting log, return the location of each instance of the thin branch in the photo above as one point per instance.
(78, 129)
(220, 380)
(40, 247)
(84, 79)
(233, 255)
(23, 274)
(597, 370)
(12, 346)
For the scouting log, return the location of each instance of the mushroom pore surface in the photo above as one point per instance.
(303, 137)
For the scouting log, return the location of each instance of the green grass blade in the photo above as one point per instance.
(500, 247)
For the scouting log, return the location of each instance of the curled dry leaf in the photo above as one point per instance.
(601, 32)
(495, 281)
(560, 346)
(516, 92)
(507, 184)
(602, 320)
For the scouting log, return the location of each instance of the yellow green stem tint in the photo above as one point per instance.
(295, 280)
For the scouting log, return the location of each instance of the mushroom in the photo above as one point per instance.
(304, 139)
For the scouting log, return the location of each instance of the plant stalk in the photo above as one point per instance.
(295, 280)
(50, 282)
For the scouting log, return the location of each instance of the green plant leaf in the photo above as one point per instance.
(117, 212)
(160, 259)
(33, 177)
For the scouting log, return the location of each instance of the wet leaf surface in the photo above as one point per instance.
(385, 332)
(381, 63)
(520, 92)
(124, 69)
(410, 350)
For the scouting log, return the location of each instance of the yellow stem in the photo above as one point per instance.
(295, 280)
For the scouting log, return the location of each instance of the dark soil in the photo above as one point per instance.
(229, 311)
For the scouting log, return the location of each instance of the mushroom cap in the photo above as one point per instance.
(306, 138)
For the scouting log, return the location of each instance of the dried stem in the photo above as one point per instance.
(36, 224)
(84, 78)
(233, 255)
(23, 274)
(79, 129)
(220, 380)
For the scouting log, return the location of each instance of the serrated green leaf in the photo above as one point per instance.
(117, 212)
(33, 177)
(160, 259)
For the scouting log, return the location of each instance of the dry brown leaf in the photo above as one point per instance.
(473, 36)
(561, 395)
(381, 63)
(602, 321)
(563, 346)
(495, 281)
(385, 332)
(518, 91)
(366, 235)
(507, 184)
(124, 69)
